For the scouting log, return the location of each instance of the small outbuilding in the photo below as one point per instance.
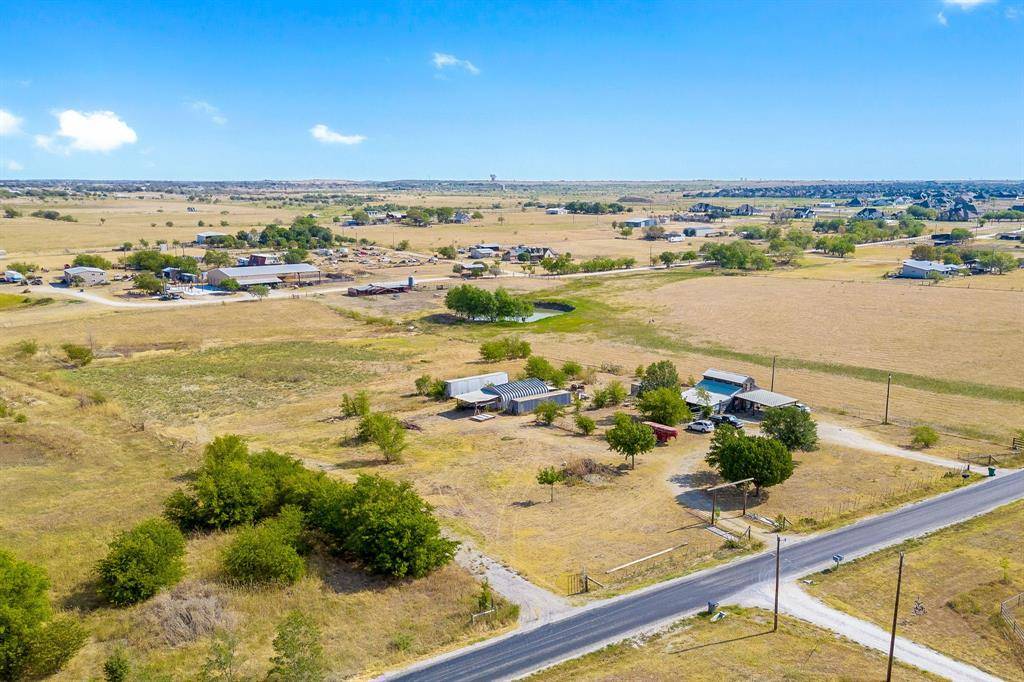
(528, 404)
(84, 275)
(454, 387)
(208, 237)
(760, 399)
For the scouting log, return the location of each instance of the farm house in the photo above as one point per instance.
(730, 392)
(922, 269)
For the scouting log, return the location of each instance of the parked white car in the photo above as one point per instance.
(700, 426)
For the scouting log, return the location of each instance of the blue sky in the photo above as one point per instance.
(569, 90)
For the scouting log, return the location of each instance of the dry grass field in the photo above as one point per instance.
(959, 575)
(73, 477)
(171, 377)
(739, 647)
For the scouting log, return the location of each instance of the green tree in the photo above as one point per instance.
(792, 427)
(664, 406)
(223, 664)
(385, 524)
(547, 412)
(79, 356)
(924, 437)
(298, 653)
(612, 394)
(148, 283)
(89, 260)
(630, 438)
(661, 374)
(737, 456)
(541, 368)
(117, 667)
(403, 245)
(230, 284)
(384, 431)
(549, 476)
(259, 291)
(293, 256)
(572, 369)
(217, 258)
(32, 642)
(357, 405)
(585, 424)
(141, 561)
(268, 553)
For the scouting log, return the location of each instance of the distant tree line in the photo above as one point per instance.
(595, 207)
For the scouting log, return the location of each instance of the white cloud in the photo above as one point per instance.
(1014, 13)
(9, 123)
(207, 109)
(94, 131)
(966, 4)
(322, 133)
(14, 166)
(443, 61)
(942, 19)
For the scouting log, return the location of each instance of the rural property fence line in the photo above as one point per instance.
(1006, 611)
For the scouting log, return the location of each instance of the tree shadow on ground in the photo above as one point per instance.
(696, 496)
(85, 597)
(346, 577)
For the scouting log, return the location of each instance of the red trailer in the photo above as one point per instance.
(661, 432)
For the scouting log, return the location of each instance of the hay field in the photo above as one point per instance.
(739, 647)
(959, 576)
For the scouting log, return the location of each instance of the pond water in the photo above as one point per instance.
(540, 311)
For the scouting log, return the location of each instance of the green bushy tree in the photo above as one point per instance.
(664, 406)
(630, 438)
(142, 561)
(268, 553)
(792, 427)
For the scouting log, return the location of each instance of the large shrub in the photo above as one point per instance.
(32, 642)
(235, 487)
(141, 561)
(268, 553)
(384, 524)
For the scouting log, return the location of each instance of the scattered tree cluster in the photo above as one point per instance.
(155, 261)
(142, 561)
(475, 303)
(90, 260)
(565, 265)
(50, 214)
(383, 524)
(594, 207)
(737, 255)
(505, 348)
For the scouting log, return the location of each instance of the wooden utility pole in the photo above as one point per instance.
(773, 371)
(895, 616)
(888, 387)
(778, 550)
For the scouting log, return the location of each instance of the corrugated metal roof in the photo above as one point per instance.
(726, 376)
(541, 396)
(283, 269)
(766, 398)
(502, 376)
(476, 397)
(258, 279)
(518, 389)
(78, 269)
(930, 265)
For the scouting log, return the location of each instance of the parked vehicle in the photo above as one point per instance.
(719, 419)
(803, 408)
(700, 426)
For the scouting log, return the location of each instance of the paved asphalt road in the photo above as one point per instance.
(530, 650)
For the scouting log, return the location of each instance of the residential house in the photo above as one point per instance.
(744, 210)
(803, 212)
(869, 214)
(534, 254)
(557, 210)
(461, 217)
(923, 269)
